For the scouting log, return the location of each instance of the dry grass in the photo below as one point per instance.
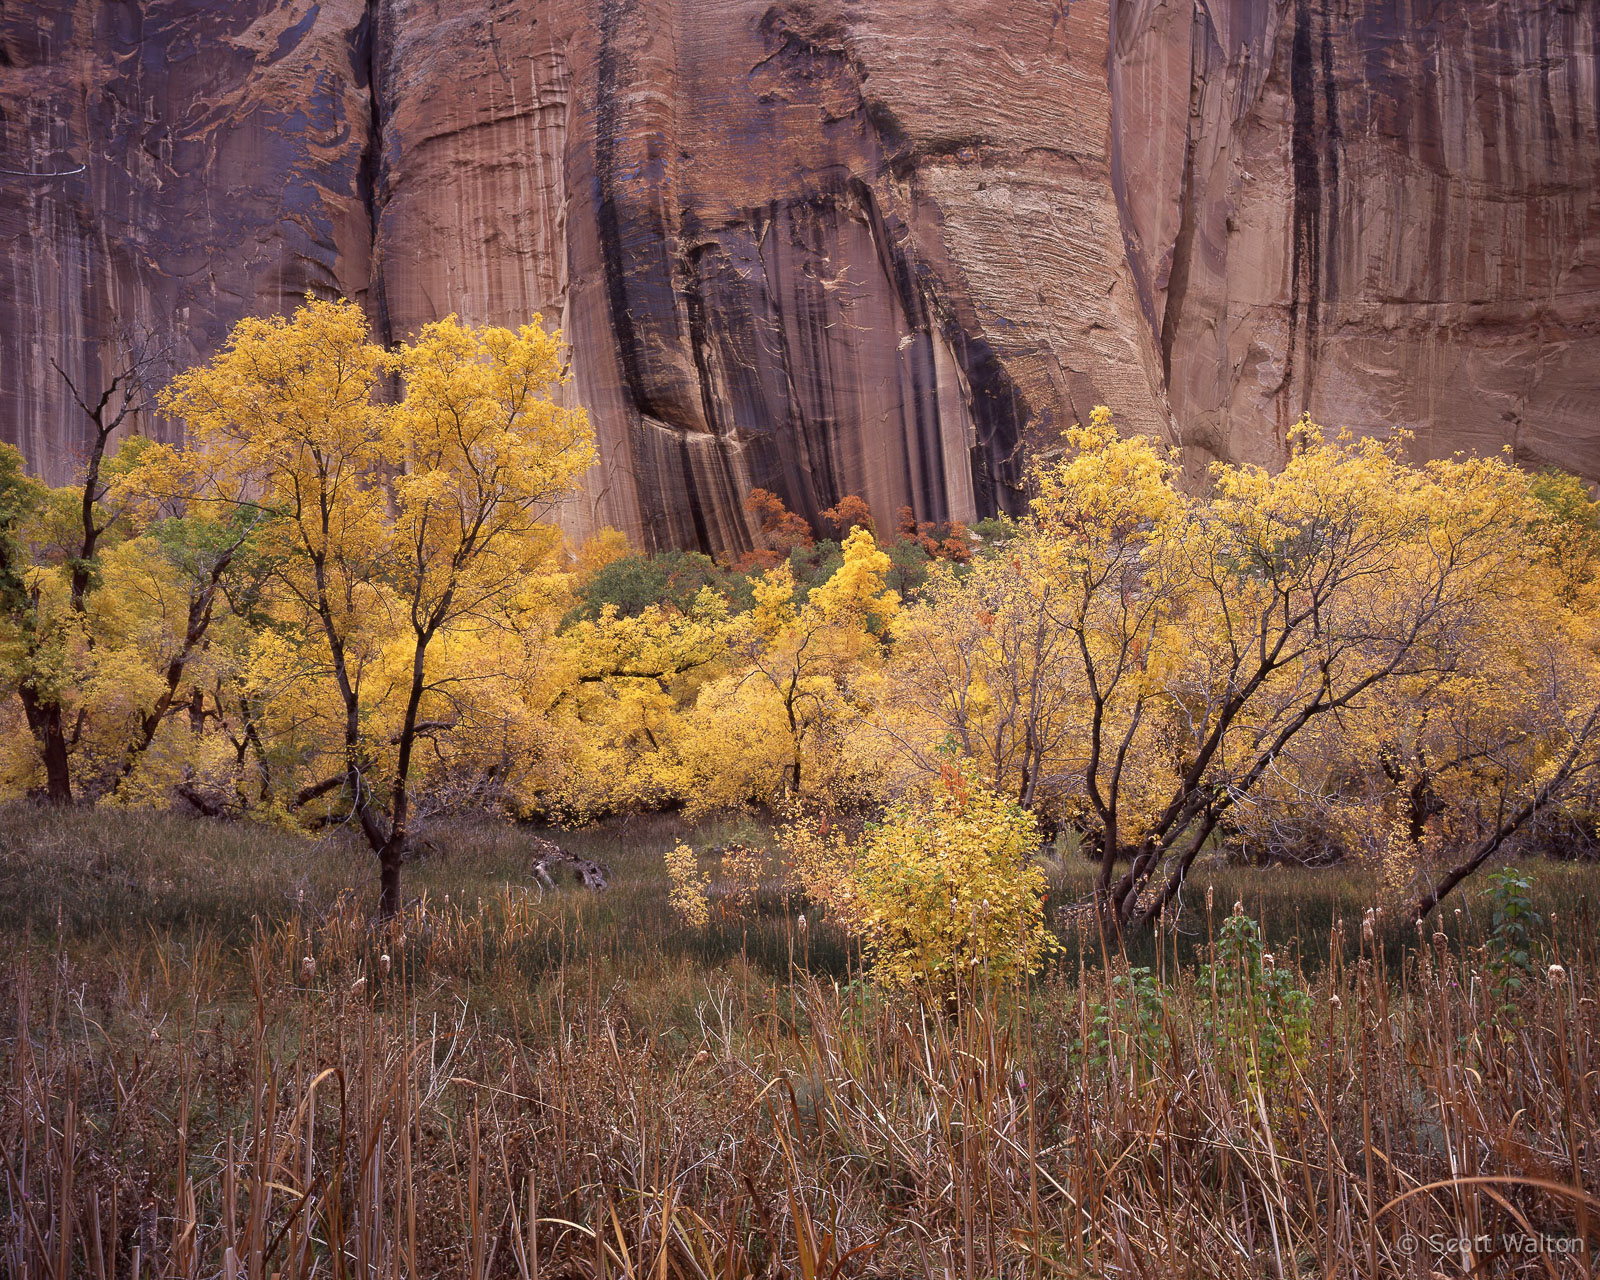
(565, 1086)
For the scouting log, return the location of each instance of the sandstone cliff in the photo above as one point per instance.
(830, 246)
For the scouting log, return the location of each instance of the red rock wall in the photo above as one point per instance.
(1386, 212)
(870, 246)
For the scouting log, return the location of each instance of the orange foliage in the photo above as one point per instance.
(947, 541)
(850, 512)
(781, 529)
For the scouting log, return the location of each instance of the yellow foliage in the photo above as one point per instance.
(743, 870)
(406, 540)
(801, 658)
(1351, 653)
(942, 888)
(689, 886)
(606, 547)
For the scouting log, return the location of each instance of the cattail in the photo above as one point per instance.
(383, 965)
(308, 969)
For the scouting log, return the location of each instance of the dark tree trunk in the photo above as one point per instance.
(44, 719)
(389, 895)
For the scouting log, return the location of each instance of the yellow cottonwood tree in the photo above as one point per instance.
(801, 653)
(1193, 652)
(396, 524)
(1294, 595)
(1480, 740)
(979, 664)
(629, 684)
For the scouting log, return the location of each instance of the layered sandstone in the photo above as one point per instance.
(869, 246)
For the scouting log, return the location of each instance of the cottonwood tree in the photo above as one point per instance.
(1490, 744)
(1575, 754)
(1203, 636)
(70, 528)
(799, 650)
(1290, 596)
(399, 527)
(979, 665)
(1485, 736)
(20, 497)
(621, 702)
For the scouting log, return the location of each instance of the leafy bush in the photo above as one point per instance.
(689, 885)
(635, 582)
(1260, 1017)
(944, 885)
(1512, 919)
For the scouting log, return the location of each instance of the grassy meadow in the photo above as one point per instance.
(213, 1062)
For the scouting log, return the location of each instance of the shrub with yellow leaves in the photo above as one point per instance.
(943, 886)
(689, 885)
(744, 870)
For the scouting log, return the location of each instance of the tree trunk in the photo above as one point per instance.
(794, 738)
(57, 770)
(389, 896)
(44, 718)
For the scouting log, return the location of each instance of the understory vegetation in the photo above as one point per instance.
(216, 1063)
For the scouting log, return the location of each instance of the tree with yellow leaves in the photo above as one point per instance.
(629, 685)
(398, 525)
(1189, 647)
(978, 664)
(1291, 596)
(114, 598)
(70, 526)
(800, 650)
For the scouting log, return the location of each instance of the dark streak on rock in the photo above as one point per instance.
(1306, 225)
(291, 37)
(1332, 140)
(610, 77)
(364, 70)
(1201, 34)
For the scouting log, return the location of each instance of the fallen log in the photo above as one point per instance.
(547, 854)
